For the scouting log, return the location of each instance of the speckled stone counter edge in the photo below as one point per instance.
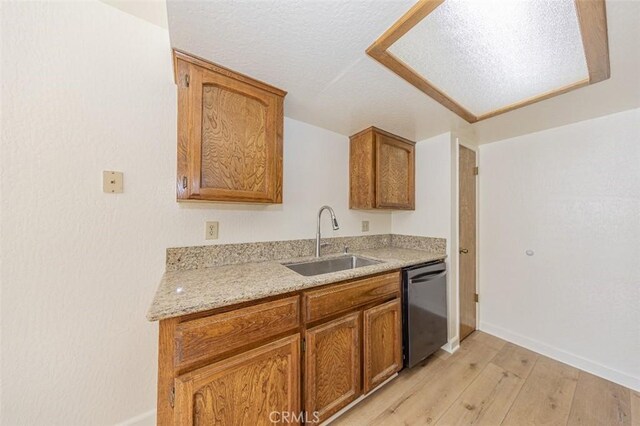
(198, 290)
(198, 257)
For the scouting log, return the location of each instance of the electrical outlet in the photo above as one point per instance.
(112, 182)
(211, 231)
(365, 226)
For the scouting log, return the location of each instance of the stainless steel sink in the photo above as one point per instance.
(334, 264)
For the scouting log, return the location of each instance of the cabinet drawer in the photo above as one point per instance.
(334, 299)
(216, 334)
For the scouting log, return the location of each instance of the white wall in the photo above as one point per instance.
(88, 88)
(572, 195)
(434, 214)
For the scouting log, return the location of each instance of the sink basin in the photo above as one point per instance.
(334, 264)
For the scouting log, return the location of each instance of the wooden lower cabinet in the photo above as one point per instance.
(247, 365)
(253, 388)
(332, 366)
(382, 333)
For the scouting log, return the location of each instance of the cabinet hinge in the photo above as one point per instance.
(172, 396)
(184, 182)
(475, 170)
(475, 297)
(186, 80)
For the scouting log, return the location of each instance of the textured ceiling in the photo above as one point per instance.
(315, 50)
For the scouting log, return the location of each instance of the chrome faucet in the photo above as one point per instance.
(334, 223)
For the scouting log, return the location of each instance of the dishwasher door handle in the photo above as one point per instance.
(424, 278)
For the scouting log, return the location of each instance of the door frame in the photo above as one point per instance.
(455, 244)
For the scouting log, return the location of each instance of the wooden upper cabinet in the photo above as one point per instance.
(382, 171)
(230, 130)
(242, 390)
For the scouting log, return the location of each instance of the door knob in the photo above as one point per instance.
(463, 251)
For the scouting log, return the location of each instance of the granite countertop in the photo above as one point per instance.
(197, 290)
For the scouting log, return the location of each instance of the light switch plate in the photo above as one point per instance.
(211, 231)
(112, 182)
(365, 226)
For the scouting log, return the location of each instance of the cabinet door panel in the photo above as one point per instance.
(229, 135)
(234, 151)
(242, 390)
(332, 366)
(233, 139)
(382, 331)
(362, 183)
(394, 173)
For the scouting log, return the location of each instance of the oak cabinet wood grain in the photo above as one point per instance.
(243, 390)
(332, 366)
(381, 170)
(230, 130)
(382, 334)
(333, 299)
(217, 334)
(307, 353)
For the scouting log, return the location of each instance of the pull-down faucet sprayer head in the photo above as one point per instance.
(334, 222)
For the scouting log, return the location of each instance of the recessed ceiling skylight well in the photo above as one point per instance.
(481, 58)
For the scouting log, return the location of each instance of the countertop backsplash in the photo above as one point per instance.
(198, 257)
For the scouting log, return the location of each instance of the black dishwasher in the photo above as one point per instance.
(424, 311)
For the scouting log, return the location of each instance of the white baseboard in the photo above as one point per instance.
(452, 345)
(573, 360)
(147, 418)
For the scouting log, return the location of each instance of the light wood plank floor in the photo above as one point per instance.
(492, 382)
